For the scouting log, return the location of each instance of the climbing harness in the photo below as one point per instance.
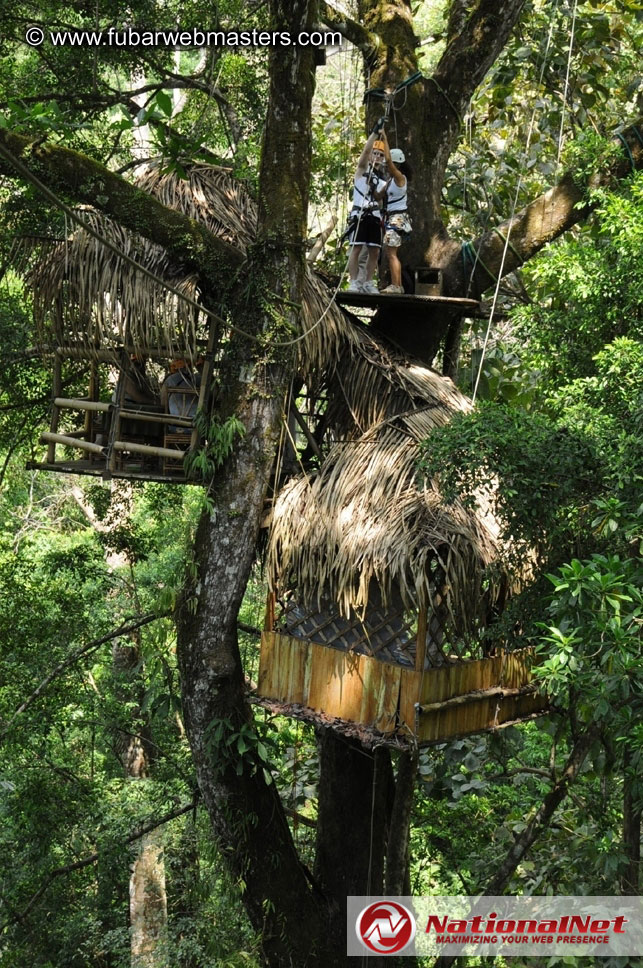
(378, 93)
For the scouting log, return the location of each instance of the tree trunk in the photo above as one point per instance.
(147, 895)
(355, 794)
(244, 807)
(148, 904)
(397, 857)
(185, 890)
(631, 880)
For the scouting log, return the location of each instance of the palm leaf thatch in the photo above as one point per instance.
(85, 295)
(209, 195)
(363, 518)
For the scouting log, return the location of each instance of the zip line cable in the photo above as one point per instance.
(389, 98)
(566, 89)
(515, 200)
(75, 217)
(477, 255)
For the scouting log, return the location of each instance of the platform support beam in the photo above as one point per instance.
(115, 427)
(56, 391)
(420, 648)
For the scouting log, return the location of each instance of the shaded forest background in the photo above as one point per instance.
(92, 575)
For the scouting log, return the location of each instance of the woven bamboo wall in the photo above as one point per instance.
(359, 689)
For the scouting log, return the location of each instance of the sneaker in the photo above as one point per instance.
(354, 286)
(394, 289)
(370, 288)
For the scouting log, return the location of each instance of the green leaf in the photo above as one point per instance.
(164, 102)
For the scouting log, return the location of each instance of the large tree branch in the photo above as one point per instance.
(70, 660)
(547, 217)
(92, 646)
(358, 35)
(478, 32)
(82, 179)
(245, 810)
(112, 96)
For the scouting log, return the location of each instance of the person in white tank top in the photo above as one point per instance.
(397, 225)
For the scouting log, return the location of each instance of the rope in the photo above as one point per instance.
(446, 98)
(638, 134)
(510, 244)
(467, 249)
(627, 150)
(566, 89)
(515, 200)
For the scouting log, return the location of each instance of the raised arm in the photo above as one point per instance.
(394, 172)
(362, 163)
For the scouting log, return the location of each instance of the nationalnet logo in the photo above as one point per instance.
(385, 927)
(518, 926)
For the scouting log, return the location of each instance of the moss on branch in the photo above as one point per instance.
(74, 176)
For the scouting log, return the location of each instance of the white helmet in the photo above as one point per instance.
(397, 156)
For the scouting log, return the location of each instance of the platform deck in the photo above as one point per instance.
(131, 471)
(465, 307)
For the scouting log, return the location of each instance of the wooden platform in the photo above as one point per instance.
(435, 705)
(465, 307)
(128, 472)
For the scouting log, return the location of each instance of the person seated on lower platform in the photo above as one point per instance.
(140, 391)
(140, 388)
(180, 393)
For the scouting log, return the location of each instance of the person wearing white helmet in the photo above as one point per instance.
(397, 225)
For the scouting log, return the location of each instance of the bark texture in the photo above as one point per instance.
(148, 904)
(632, 815)
(355, 791)
(244, 807)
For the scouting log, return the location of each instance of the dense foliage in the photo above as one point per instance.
(568, 461)
(558, 424)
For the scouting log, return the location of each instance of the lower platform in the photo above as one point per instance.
(133, 471)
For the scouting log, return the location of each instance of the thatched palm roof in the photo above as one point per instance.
(364, 516)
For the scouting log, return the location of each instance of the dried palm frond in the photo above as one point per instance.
(84, 294)
(209, 195)
(89, 296)
(364, 518)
